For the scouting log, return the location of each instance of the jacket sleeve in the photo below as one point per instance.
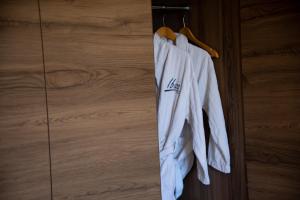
(218, 150)
(195, 120)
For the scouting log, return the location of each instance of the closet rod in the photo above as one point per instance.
(171, 8)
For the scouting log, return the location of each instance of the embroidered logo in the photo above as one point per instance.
(173, 86)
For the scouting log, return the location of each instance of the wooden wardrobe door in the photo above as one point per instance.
(100, 84)
(24, 155)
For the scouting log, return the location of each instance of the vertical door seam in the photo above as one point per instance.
(46, 100)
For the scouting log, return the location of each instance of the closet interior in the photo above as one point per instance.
(216, 24)
(77, 97)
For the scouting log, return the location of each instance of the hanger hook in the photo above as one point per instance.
(163, 19)
(183, 20)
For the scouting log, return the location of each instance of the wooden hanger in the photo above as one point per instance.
(166, 32)
(188, 33)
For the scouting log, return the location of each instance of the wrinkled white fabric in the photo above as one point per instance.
(218, 149)
(178, 103)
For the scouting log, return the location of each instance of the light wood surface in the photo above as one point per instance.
(101, 94)
(271, 80)
(24, 156)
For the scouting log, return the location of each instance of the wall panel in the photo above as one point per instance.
(100, 82)
(271, 70)
(24, 155)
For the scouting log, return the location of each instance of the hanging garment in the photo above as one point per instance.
(218, 150)
(178, 102)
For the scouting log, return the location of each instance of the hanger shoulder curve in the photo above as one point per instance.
(188, 33)
(167, 33)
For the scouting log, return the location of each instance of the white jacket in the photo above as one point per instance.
(178, 102)
(218, 150)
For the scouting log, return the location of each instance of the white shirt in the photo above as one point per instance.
(178, 102)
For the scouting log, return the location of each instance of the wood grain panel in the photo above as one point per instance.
(24, 165)
(100, 80)
(271, 71)
(112, 17)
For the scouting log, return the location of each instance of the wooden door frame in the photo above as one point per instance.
(234, 101)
